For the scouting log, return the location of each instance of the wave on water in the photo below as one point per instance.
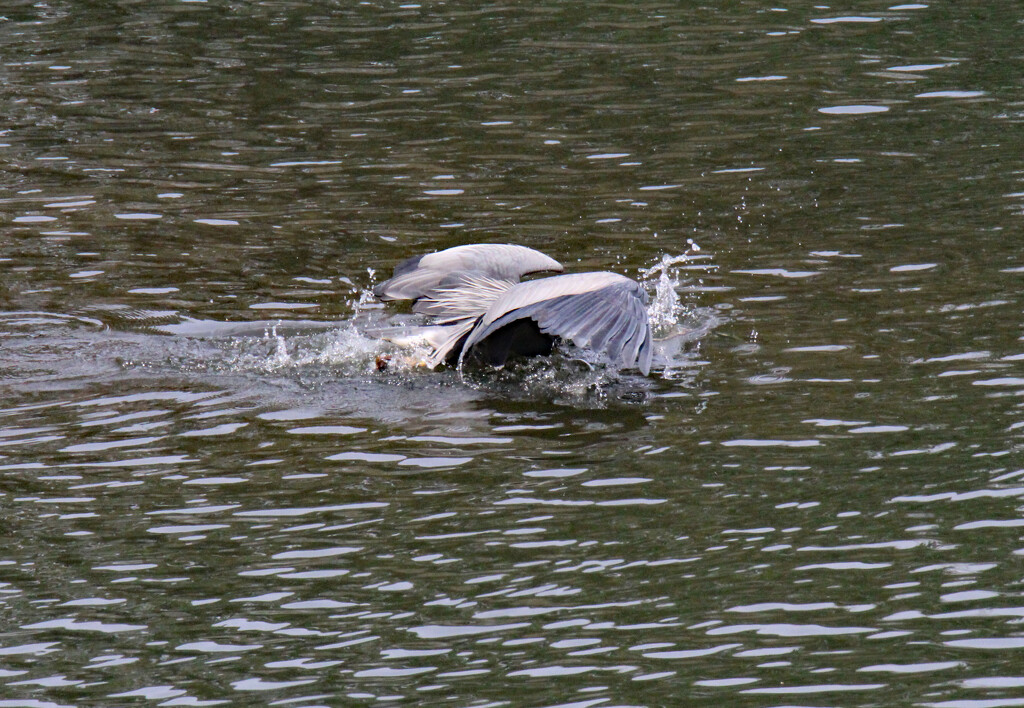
(311, 353)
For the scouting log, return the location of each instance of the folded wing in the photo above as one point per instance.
(423, 276)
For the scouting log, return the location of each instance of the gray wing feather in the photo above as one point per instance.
(610, 323)
(614, 333)
(619, 337)
(645, 355)
(631, 346)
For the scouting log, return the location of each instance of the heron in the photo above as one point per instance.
(480, 307)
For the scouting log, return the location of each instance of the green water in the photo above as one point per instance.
(211, 496)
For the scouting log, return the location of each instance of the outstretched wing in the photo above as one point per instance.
(421, 276)
(605, 312)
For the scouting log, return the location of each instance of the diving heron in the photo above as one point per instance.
(481, 309)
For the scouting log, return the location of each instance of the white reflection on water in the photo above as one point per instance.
(813, 689)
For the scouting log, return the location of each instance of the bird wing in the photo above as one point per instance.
(461, 294)
(605, 312)
(420, 276)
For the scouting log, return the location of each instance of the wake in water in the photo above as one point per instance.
(355, 347)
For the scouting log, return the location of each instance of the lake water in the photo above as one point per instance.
(211, 496)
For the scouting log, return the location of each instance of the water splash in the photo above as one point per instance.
(345, 348)
(666, 309)
(366, 299)
(678, 325)
(280, 356)
(570, 376)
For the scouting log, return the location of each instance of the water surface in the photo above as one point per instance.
(211, 496)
